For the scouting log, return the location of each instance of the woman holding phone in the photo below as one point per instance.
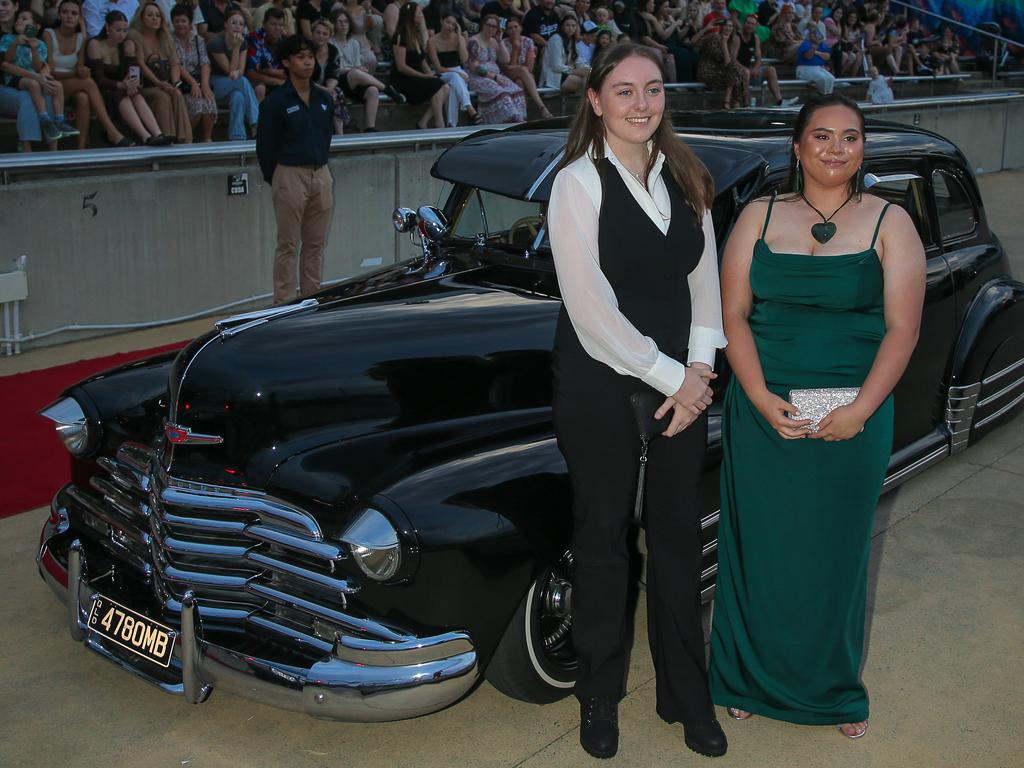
(635, 255)
(114, 66)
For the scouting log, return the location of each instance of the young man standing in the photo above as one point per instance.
(292, 145)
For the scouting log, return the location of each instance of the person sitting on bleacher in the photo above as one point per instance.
(499, 99)
(813, 19)
(227, 75)
(261, 65)
(851, 41)
(259, 15)
(215, 16)
(160, 70)
(540, 23)
(880, 88)
(561, 67)
(746, 51)
(603, 17)
(357, 83)
(947, 53)
(718, 69)
(447, 54)
(812, 59)
(522, 56)
(195, 71)
(785, 38)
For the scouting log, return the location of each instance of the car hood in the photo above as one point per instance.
(432, 352)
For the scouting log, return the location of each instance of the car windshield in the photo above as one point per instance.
(500, 221)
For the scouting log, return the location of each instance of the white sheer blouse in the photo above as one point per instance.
(590, 302)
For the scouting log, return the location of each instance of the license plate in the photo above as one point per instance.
(131, 630)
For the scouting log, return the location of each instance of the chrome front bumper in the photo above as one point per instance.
(360, 680)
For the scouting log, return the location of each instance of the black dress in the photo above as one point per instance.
(598, 436)
(415, 89)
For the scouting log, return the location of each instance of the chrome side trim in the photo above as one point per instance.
(1009, 406)
(710, 520)
(916, 468)
(544, 174)
(1008, 389)
(249, 320)
(708, 572)
(960, 405)
(173, 414)
(1005, 372)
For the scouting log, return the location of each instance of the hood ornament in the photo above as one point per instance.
(178, 435)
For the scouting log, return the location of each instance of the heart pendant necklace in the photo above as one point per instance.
(824, 230)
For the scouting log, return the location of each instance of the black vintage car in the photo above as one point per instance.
(353, 506)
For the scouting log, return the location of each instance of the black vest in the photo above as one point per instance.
(647, 271)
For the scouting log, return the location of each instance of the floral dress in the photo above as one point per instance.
(718, 72)
(192, 60)
(499, 99)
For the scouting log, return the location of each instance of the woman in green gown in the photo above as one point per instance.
(836, 306)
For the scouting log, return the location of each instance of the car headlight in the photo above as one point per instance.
(71, 424)
(374, 544)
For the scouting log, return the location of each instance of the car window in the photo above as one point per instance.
(911, 195)
(957, 216)
(501, 220)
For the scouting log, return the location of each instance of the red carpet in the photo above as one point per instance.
(33, 463)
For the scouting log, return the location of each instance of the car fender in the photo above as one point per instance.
(987, 378)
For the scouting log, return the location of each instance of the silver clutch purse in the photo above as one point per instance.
(816, 404)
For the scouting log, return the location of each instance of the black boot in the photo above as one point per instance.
(599, 726)
(706, 739)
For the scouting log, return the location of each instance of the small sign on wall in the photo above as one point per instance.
(238, 184)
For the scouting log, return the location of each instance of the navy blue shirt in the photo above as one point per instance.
(290, 133)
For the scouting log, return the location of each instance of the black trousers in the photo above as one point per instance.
(599, 439)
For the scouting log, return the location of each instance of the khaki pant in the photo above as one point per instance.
(303, 197)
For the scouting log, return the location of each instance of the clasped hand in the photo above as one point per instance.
(693, 397)
(841, 424)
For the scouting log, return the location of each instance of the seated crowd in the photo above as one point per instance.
(155, 72)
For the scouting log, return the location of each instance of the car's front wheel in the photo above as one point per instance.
(535, 660)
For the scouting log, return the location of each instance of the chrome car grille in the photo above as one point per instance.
(247, 557)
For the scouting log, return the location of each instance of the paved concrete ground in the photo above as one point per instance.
(944, 664)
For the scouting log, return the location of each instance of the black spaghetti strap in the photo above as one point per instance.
(767, 216)
(878, 226)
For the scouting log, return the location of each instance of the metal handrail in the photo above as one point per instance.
(998, 38)
(222, 150)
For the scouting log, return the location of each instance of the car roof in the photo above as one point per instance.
(520, 161)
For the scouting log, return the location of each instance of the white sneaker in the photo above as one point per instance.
(790, 102)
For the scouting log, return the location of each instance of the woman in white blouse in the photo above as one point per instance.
(637, 265)
(560, 68)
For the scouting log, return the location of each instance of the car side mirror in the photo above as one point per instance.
(433, 224)
(403, 219)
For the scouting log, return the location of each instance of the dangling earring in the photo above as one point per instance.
(859, 182)
(799, 177)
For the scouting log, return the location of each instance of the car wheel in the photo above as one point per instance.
(535, 660)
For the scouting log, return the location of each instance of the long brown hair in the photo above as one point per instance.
(586, 134)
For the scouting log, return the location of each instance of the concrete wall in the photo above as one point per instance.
(158, 241)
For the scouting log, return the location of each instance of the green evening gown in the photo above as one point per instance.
(795, 531)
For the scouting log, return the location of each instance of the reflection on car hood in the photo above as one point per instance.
(434, 351)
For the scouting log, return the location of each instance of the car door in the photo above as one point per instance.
(920, 393)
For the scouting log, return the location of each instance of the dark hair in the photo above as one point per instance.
(336, 14)
(814, 103)
(36, 18)
(236, 11)
(181, 9)
(405, 28)
(273, 13)
(292, 45)
(586, 133)
(109, 19)
(62, 3)
(569, 46)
